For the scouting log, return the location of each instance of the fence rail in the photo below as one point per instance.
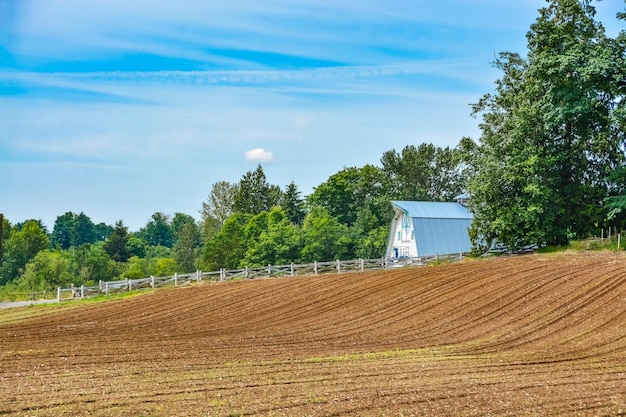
(291, 270)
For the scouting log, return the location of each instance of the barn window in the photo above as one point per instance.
(406, 226)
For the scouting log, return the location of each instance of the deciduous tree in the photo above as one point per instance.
(218, 208)
(158, 231)
(187, 247)
(423, 173)
(23, 244)
(278, 243)
(228, 246)
(551, 132)
(325, 238)
(347, 191)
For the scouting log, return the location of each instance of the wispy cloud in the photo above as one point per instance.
(139, 86)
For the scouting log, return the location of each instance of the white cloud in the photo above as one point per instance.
(259, 155)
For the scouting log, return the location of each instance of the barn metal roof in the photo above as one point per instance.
(433, 209)
(439, 228)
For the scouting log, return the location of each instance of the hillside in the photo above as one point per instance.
(530, 335)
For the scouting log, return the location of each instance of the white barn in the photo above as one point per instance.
(427, 228)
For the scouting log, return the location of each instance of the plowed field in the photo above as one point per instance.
(521, 336)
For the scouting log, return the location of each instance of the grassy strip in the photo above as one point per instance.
(19, 314)
(591, 244)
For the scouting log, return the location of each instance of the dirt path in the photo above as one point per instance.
(14, 304)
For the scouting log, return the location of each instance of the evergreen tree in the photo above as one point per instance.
(255, 194)
(116, 244)
(292, 204)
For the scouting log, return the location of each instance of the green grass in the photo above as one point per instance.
(17, 314)
(591, 244)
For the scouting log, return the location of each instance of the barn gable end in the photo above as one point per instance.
(425, 228)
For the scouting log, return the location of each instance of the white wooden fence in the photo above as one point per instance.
(292, 270)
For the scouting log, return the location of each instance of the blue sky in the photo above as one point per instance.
(121, 109)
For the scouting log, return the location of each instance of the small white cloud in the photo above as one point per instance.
(259, 155)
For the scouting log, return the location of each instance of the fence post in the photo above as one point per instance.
(222, 274)
(58, 294)
(338, 267)
(130, 284)
(72, 287)
(292, 270)
(246, 273)
(269, 270)
(106, 288)
(361, 264)
(197, 275)
(315, 267)
(152, 281)
(175, 279)
(82, 291)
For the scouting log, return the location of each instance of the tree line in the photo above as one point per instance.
(549, 166)
(249, 223)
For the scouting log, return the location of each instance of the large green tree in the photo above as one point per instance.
(46, 271)
(103, 231)
(293, 204)
(369, 234)
(61, 235)
(325, 238)
(158, 231)
(24, 242)
(4, 236)
(217, 209)
(73, 230)
(345, 193)
(228, 246)
(278, 243)
(90, 263)
(426, 172)
(116, 244)
(254, 194)
(187, 246)
(84, 230)
(551, 132)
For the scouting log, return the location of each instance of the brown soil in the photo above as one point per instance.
(531, 335)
